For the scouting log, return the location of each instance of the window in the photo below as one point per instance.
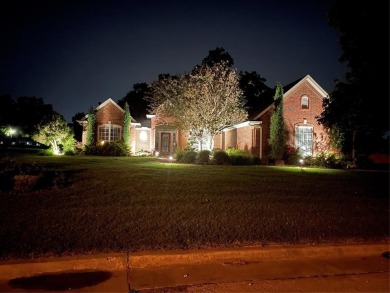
(305, 102)
(304, 140)
(109, 132)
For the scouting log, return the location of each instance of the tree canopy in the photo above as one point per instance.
(202, 102)
(24, 113)
(55, 133)
(137, 100)
(358, 107)
(252, 86)
(218, 55)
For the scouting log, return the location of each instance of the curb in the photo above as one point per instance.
(155, 259)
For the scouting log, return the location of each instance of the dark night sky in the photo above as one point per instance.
(75, 54)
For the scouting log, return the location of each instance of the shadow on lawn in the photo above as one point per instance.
(61, 281)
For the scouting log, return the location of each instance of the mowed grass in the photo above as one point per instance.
(115, 204)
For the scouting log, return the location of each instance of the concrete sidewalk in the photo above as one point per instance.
(359, 267)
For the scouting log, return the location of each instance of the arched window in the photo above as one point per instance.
(305, 102)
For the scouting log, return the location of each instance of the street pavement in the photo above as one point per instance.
(353, 267)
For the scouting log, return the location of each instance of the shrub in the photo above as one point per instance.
(239, 157)
(179, 155)
(326, 160)
(204, 157)
(115, 149)
(220, 157)
(291, 155)
(189, 156)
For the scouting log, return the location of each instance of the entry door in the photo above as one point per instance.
(165, 139)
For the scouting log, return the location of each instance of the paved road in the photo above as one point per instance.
(323, 268)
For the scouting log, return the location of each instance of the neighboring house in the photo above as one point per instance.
(302, 103)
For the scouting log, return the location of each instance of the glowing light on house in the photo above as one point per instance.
(143, 136)
(157, 154)
(102, 142)
(170, 158)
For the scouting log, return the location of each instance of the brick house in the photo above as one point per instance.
(302, 103)
(109, 118)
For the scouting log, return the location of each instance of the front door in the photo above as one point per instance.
(165, 140)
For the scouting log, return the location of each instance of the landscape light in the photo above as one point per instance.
(11, 131)
(301, 162)
(157, 154)
(170, 158)
(102, 143)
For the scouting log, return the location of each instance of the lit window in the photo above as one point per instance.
(109, 132)
(305, 102)
(304, 140)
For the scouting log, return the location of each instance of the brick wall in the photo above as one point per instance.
(109, 113)
(231, 138)
(295, 115)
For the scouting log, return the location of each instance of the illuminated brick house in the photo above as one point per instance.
(109, 118)
(302, 103)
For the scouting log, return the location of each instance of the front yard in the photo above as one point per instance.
(113, 204)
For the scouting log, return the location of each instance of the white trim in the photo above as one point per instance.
(242, 124)
(312, 82)
(109, 100)
(150, 116)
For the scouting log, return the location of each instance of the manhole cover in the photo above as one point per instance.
(61, 281)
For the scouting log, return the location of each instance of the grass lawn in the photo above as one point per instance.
(114, 204)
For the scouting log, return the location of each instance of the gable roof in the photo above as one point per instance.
(102, 105)
(109, 100)
(267, 102)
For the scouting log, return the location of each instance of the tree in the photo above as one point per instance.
(137, 100)
(32, 112)
(90, 136)
(77, 128)
(202, 102)
(218, 55)
(126, 126)
(252, 86)
(359, 106)
(277, 139)
(55, 133)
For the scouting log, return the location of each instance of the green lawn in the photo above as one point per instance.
(113, 204)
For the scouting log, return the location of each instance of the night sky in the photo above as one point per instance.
(75, 54)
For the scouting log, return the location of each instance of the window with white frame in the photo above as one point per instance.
(305, 102)
(304, 140)
(109, 132)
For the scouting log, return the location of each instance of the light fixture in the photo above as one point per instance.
(143, 136)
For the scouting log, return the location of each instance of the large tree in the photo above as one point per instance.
(252, 86)
(24, 113)
(55, 133)
(218, 55)
(358, 107)
(203, 102)
(137, 100)
(277, 139)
